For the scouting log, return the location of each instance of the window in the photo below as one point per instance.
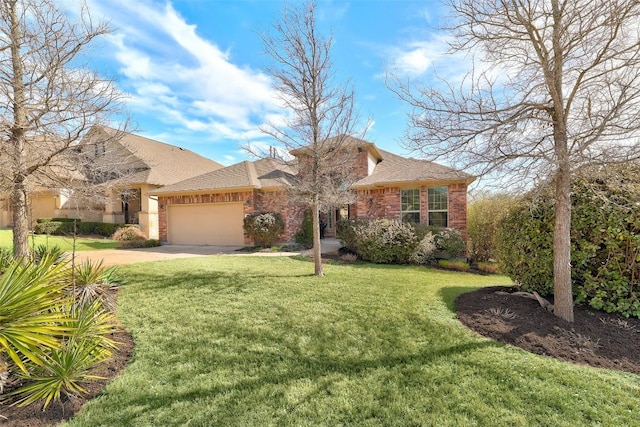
(410, 205)
(438, 206)
(99, 149)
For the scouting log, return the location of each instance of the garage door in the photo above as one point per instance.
(215, 224)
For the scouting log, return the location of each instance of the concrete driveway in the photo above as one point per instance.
(112, 257)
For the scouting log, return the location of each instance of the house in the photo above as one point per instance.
(209, 209)
(137, 166)
(123, 170)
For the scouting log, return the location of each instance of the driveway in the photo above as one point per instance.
(112, 257)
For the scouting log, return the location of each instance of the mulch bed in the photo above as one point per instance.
(33, 416)
(595, 338)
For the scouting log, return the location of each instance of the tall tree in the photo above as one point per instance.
(554, 86)
(48, 99)
(320, 113)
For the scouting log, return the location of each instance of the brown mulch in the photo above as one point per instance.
(56, 412)
(595, 338)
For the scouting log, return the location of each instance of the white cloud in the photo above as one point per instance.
(183, 79)
(416, 58)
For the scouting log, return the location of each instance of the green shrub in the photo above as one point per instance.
(57, 228)
(265, 228)
(304, 236)
(44, 220)
(47, 340)
(483, 217)
(454, 264)
(387, 241)
(52, 226)
(346, 233)
(132, 244)
(450, 242)
(605, 239)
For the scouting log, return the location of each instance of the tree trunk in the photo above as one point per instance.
(19, 195)
(20, 206)
(317, 249)
(562, 288)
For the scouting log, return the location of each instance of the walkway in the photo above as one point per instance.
(112, 257)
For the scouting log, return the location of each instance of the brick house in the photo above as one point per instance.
(210, 208)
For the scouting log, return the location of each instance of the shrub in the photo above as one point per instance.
(92, 282)
(454, 264)
(265, 229)
(605, 239)
(128, 234)
(386, 242)
(50, 342)
(483, 216)
(44, 220)
(489, 267)
(304, 236)
(346, 233)
(132, 244)
(450, 242)
(52, 226)
(57, 228)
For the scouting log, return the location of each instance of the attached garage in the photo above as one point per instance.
(206, 224)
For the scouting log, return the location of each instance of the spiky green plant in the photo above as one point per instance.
(90, 282)
(67, 369)
(31, 316)
(55, 252)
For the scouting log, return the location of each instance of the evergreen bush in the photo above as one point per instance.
(264, 228)
(605, 239)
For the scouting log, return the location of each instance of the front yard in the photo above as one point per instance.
(65, 243)
(259, 341)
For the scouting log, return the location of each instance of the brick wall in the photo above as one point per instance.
(278, 201)
(253, 202)
(385, 203)
(370, 204)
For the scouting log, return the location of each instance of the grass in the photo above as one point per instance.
(65, 243)
(242, 341)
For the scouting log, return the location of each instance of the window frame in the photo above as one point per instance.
(430, 191)
(412, 211)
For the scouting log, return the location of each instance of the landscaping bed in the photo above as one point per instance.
(595, 338)
(33, 416)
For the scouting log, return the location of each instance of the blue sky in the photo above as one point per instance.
(193, 69)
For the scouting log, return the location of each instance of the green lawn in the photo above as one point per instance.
(253, 341)
(66, 243)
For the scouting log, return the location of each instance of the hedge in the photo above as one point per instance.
(605, 239)
(53, 226)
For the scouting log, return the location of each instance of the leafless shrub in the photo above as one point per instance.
(501, 312)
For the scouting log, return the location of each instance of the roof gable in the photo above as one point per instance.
(156, 162)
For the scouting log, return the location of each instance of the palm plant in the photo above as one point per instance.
(68, 368)
(55, 337)
(31, 319)
(91, 281)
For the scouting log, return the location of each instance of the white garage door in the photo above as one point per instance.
(213, 224)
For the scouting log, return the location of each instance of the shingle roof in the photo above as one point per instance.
(394, 169)
(268, 173)
(166, 164)
(262, 173)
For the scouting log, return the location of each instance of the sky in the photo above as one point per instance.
(194, 70)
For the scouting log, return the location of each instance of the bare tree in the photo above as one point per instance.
(48, 99)
(320, 114)
(555, 86)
